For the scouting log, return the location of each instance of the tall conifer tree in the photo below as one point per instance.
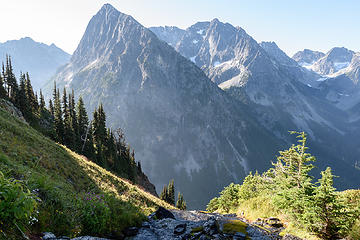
(3, 93)
(22, 98)
(31, 98)
(58, 119)
(42, 101)
(12, 86)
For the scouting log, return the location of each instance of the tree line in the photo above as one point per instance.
(67, 122)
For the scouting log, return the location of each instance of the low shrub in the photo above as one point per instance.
(17, 205)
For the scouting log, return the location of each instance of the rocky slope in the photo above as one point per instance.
(180, 124)
(334, 60)
(281, 94)
(175, 224)
(171, 35)
(307, 57)
(339, 73)
(38, 58)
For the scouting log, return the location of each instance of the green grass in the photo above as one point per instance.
(234, 226)
(62, 179)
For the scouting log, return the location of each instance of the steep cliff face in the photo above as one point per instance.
(180, 124)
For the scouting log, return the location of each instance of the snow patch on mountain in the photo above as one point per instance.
(201, 31)
(322, 79)
(340, 65)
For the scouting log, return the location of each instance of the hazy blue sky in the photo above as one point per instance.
(293, 25)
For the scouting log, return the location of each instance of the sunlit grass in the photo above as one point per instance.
(61, 177)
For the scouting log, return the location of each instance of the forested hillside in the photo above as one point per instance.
(45, 186)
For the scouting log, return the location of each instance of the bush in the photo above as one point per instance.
(17, 204)
(95, 214)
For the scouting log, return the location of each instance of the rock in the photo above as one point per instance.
(48, 236)
(197, 235)
(131, 231)
(10, 108)
(211, 227)
(180, 229)
(204, 237)
(152, 216)
(88, 238)
(145, 225)
(274, 222)
(186, 236)
(163, 213)
(291, 237)
(51, 236)
(239, 236)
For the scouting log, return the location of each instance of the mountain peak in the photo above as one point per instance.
(28, 39)
(215, 20)
(107, 7)
(340, 51)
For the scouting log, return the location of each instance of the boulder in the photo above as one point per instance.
(180, 229)
(162, 213)
(211, 227)
(131, 231)
(48, 236)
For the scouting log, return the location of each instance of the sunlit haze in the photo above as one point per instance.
(293, 25)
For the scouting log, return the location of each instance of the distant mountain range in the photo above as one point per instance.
(282, 94)
(208, 104)
(39, 59)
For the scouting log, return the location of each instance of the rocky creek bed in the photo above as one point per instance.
(182, 225)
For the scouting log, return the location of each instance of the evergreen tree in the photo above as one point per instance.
(4, 78)
(110, 149)
(99, 133)
(23, 102)
(68, 133)
(327, 215)
(31, 98)
(51, 108)
(181, 203)
(293, 182)
(3, 93)
(58, 119)
(73, 122)
(42, 101)
(164, 194)
(10, 79)
(171, 193)
(139, 167)
(82, 121)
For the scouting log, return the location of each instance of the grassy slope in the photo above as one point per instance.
(60, 176)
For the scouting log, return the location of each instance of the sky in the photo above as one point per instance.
(293, 24)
